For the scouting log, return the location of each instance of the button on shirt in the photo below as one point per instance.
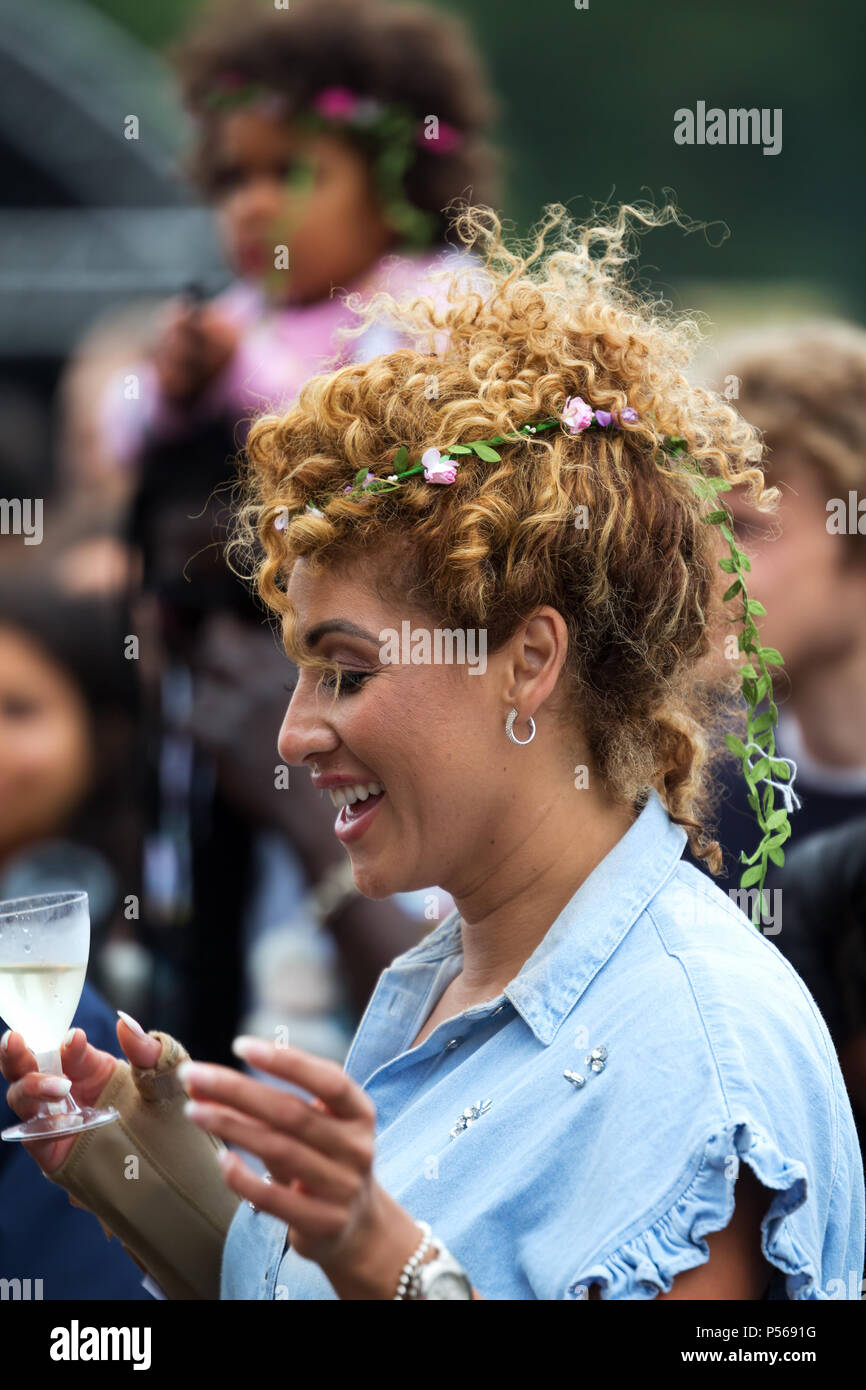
(698, 1048)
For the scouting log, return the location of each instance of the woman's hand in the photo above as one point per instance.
(86, 1067)
(319, 1155)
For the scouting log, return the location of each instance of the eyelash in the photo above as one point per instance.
(351, 682)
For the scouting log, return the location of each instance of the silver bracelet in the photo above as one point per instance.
(414, 1260)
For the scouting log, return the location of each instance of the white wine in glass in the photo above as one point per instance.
(44, 945)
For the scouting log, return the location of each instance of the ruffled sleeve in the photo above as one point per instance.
(646, 1263)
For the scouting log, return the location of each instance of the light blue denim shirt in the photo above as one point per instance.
(715, 1053)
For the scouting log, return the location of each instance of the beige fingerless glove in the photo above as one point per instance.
(152, 1178)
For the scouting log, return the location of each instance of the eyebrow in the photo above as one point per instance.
(316, 633)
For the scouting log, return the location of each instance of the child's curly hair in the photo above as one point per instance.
(407, 54)
(638, 587)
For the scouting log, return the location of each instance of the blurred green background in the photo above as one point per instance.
(588, 99)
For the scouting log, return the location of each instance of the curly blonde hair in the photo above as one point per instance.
(638, 587)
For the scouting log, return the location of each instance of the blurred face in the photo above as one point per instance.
(815, 602)
(431, 735)
(45, 750)
(280, 186)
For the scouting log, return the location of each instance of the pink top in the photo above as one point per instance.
(279, 349)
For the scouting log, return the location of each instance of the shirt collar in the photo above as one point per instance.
(590, 926)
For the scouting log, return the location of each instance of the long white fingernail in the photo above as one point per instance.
(250, 1049)
(198, 1073)
(131, 1023)
(4, 1041)
(69, 1037)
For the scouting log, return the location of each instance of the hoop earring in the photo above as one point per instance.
(509, 729)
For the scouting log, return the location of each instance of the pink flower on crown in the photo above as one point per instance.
(576, 414)
(438, 469)
(336, 103)
(370, 478)
(610, 417)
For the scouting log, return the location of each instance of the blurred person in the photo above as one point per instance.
(329, 139)
(804, 387)
(91, 494)
(624, 1090)
(86, 467)
(66, 698)
(823, 889)
(68, 766)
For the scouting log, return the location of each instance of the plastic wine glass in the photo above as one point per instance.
(44, 945)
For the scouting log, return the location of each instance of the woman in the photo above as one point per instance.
(562, 1079)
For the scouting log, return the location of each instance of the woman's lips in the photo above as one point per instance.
(350, 828)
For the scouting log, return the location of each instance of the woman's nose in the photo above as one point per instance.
(303, 733)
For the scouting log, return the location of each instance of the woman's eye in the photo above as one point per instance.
(350, 681)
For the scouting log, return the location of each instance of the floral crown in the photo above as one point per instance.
(576, 416)
(389, 129)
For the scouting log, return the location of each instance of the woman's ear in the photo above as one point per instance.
(539, 651)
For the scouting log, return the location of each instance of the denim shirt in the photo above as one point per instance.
(711, 1052)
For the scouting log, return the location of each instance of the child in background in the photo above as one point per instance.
(329, 139)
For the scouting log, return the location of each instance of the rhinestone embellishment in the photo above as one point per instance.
(470, 1115)
(595, 1060)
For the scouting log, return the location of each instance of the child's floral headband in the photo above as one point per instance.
(391, 131)
(441, 467)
